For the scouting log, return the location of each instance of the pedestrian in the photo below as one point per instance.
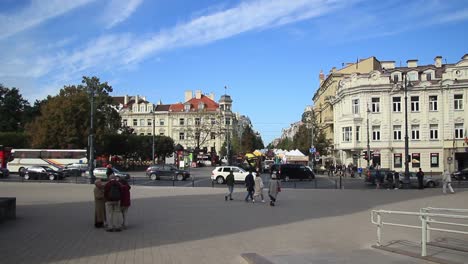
(396, 180)
(447, 182)
(258, 187)
(99, 204)
(274, 188)
(109, 171)
(378, 178)
(249, 184)
(125, 201)
(230, 184)
(420, 175)
(113, 194)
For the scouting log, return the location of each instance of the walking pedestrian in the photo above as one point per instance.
(420, 175)
(273, 189)
(125, 202)
(396, 180)
(447, 182)
(378, 178)
(249, 184)
(113, 194)
(258, 187)
(99, 204)
(230, 184)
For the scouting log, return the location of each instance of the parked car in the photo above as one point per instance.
(220, 173)
(384, 172)
(460, 175)
(428, 181)
(74, 169)
(100, 173)
(4, 173)
(42, 172)
(292, 171)
(156, 172)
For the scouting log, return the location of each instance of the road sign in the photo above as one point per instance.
(312, 150)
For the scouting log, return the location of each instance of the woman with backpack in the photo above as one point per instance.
(124, 201)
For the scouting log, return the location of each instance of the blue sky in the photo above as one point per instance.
(268, 53)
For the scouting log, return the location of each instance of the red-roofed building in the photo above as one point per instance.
(198, 122)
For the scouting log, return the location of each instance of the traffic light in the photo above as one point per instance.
(364, 154)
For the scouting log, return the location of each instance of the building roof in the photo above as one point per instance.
(208, 105)
(162, 108)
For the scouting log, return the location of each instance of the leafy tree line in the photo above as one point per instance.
(63, 122)
(241, 143)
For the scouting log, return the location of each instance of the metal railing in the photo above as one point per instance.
(427, 218)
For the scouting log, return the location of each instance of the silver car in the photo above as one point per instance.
(428, 181)
(100, 173)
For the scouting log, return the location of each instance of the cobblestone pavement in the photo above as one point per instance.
(195, 225)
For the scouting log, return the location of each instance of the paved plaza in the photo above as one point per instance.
(195, 225)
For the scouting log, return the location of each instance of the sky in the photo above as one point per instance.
(267, 53)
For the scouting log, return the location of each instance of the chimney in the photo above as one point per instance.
(465, 57)
(198, 94)
(125, 99)
(188, 95)
(412, 63)
(388, 64)
(321, 77)
(438, 61)
(333, 70)
(211, 96)
(136, 99)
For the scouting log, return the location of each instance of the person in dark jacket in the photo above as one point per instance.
(230, 185)
(113, 204)
(396, 180)
(109, 171)
(420, 176)
(124, 201)
(249, 184)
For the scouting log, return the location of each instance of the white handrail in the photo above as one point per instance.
(426, 219)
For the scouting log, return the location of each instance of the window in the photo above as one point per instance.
(459, 130)
(355, 106)
(124, 122)
(358, 129)
(397, 132)
(433, 103)
(213, 121)
(428, 76)
(148, 134)
(375, 133)
(395, 78)
(228, 121)
(161, 122)
(458, 102)
(415, 132)
(161, 133)
(197, 136)
(187, 107)
(181, 136)
(181, 121)
(142, 108)
(213, 135)
(412, 76)
(397, 160)
(142, 134)
(396, 104)
(201, 105)
(135, 122)
(375, 105)
(414, 103)
(347, 134)
(149, 122)
(434, 160)
(197, 121)
(434, 132)
(416, 160)
(142, 122)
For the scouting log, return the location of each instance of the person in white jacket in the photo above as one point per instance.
(258, 187)
(447, 182)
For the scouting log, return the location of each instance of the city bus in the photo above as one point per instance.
(57, 158)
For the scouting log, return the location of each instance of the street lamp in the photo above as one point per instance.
(91, 138)
(406, 84)
(368, 138)
(152, 157)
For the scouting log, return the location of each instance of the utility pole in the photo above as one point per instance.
(153, 152)
(312, 138)
(91, 139)
(406, 129)
(368, 138)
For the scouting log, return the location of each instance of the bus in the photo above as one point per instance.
(57, 158)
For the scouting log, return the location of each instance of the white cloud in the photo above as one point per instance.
(36, 13)
(118, 11)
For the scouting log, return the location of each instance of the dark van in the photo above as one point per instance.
(293, 171)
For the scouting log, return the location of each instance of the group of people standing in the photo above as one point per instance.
(112, 200)
(254, 187)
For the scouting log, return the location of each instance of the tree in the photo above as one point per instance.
(164, 147)
(204, 126)
(12, 110)
(64, 120)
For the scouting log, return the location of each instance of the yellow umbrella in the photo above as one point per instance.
(249, 156)
(257, 153)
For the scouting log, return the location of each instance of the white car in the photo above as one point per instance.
(219, 174)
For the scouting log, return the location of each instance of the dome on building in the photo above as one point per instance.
(225, 99)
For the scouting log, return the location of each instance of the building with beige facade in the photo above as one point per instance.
(197, 122)
(323, 109)
(371, 106)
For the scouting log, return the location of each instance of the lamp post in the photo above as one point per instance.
(368, 138)
(91, 138)
(406, 84)
(152, 157)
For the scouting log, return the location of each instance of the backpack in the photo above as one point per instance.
(114, 192)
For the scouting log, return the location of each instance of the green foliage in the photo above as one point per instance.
(14, 139)
(12, 110)
(286, 144)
